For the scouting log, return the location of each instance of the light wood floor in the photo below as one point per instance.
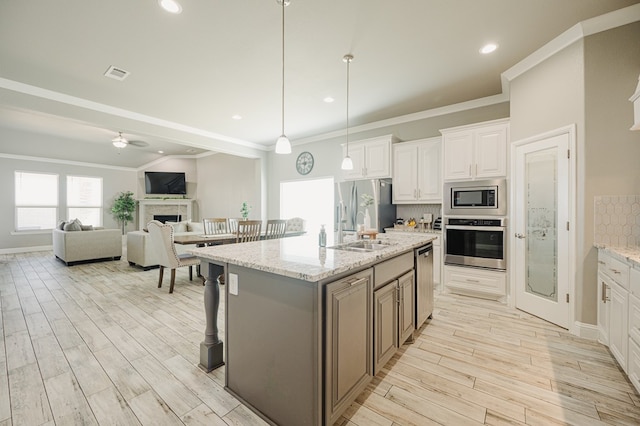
(100, 344)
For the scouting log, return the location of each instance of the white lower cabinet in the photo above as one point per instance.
(618, 320)
(619, 311)
(633, 359)
(475, 282)
(603, 310)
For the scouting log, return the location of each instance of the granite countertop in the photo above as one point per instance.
(301, 258)
(625, 254)
(415, 230)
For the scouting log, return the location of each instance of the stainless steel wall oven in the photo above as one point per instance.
(476, 242)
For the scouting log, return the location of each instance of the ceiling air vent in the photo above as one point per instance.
(116, 73)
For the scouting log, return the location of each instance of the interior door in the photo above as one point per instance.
(541, 236)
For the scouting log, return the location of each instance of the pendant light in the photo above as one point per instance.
(120, 141)
(347, 164)
(283, 146)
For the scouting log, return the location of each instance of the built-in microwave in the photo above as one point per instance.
(478, 197)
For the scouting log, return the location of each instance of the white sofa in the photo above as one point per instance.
(80, 246)
(140, 251)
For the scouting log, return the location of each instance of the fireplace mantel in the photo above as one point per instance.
(147, 207)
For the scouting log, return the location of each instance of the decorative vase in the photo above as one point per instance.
(367, 219)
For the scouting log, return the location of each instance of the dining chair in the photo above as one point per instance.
(162, 240)
(248, 230)
(275, 229)
(213, 226)
(233, 224)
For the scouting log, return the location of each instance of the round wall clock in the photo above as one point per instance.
(304, 163)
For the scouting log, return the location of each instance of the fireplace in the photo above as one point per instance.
(167, 217)
(150, 208)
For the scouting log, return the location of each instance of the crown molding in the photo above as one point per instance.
(583, 29)
(51, 95)
(416, 116)
(69, 162)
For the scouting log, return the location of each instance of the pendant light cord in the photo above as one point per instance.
(348, 59)
(283, 6)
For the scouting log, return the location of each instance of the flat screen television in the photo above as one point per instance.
(165, 183)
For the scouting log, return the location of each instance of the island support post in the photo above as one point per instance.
(211, 349)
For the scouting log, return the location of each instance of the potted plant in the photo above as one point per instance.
(124, 206)
(244, 210)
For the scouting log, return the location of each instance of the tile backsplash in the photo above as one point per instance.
(617, 220)
(415, 211)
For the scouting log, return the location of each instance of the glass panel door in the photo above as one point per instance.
(540, 218)
(541, 201)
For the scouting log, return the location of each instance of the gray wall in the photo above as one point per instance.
(219, 183)
(328, 153)
(587, 83)
(114, 181)
(225, 182)
(612, 151)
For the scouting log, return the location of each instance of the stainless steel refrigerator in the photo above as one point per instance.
(349, 195)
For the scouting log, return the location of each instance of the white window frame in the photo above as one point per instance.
(98, 207)
(18, 206)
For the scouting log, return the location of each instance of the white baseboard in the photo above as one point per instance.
(25, 249)
(588, 331)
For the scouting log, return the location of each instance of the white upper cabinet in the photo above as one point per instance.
(417, 175)
(477, 151)
(371, 158)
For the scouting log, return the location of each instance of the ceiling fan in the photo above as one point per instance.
(121, 142)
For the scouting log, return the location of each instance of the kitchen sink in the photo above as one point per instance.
(362, 246)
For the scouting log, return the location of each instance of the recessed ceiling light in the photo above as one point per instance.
(236, 117)
(328, 99)
(160, 152)
(488, 48)
(191, 150)
(171, 6)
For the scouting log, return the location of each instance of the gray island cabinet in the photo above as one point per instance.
(299, 340)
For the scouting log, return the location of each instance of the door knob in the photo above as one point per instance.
(519, 235)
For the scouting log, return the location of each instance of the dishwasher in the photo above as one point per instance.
(423, 257)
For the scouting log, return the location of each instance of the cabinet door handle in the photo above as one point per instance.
(355, 281)
(615, 271)
(469, 169)
(521, 236)
(601, 262)
(476, 173)
(603, 296)
(418, 192)
(472, 281)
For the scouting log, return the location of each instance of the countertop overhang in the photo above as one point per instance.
(625, 254)
(301, 258)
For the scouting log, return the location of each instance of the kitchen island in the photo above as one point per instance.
(306, 326)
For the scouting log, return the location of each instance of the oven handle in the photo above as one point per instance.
(476, 228)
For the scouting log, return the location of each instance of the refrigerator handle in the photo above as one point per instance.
(354, 206)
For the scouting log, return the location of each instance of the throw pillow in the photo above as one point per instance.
(60, 225)
(73, 225)
(178, 226)
(195, 227)
(86, 227)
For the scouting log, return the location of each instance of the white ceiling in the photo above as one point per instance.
(190, 73)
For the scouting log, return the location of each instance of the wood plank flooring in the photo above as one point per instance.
(100, 344)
